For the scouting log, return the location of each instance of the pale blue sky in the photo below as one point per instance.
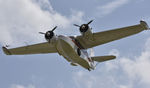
(21, 20)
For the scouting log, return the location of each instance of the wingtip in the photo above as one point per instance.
(113, 57)
(144, 24)
(6, 51)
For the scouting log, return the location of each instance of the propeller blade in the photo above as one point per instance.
(41, 33)
(54, 28)
(76, 25)
(90, 22)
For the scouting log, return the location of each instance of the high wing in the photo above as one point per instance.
(31, 49)
(111, 35)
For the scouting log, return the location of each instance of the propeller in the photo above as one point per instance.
(84, 24)
(84, 27)
(76, 25)
(49, 34)
(41, 33)
(54, 28)
(51, 30)
(90, 22)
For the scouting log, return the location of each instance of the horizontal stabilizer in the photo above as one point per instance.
(103, 58)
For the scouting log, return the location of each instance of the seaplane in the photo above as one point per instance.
(75, 48)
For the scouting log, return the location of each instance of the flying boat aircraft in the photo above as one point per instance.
(74, 49)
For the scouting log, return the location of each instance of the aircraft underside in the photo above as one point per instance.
(74, 49)
(68, 50)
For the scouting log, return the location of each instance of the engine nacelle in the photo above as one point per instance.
(50, 36)
(86, 32)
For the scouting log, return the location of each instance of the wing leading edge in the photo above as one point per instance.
(111, 35)
(31, 49)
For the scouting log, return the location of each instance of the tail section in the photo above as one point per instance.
(103, 58)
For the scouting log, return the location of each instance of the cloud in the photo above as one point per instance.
(21, 86)
(124, 72)
(114, 52)
(110, 7)
(44, 4)
(83, 80)
(21, 20)
(139, 66)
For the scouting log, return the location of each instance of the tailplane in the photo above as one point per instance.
(103, 58)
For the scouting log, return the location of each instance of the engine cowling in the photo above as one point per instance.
(84, 28)
(86, 32)
(49, 35)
